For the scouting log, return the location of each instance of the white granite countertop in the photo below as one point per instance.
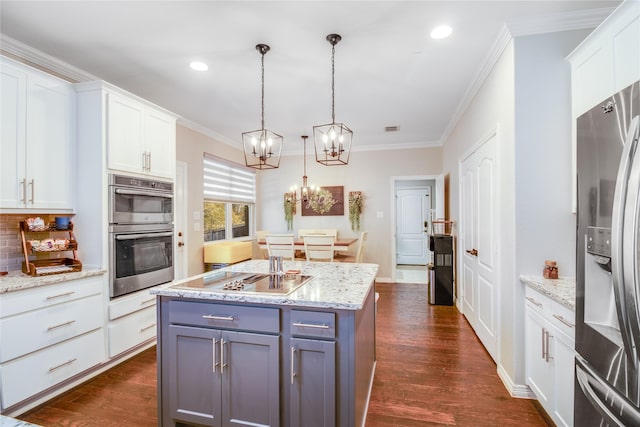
(562, 290)
(17, 280)
(334, 285)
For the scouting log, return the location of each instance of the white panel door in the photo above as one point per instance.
(412, 210)
(478, 242)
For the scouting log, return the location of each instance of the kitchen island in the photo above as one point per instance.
(298, 351)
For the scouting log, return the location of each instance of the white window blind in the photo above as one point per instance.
(228, 182)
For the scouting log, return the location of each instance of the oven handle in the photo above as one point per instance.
(141, 193)
(143, 236)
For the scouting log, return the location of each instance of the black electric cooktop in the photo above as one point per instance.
(230, 281)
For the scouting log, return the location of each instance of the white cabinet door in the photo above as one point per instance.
(564, 375)
(125, 144)
(626, 51)
(539, 371)
(160, 143)
(38, 140)
(13, 89)
(50, 143)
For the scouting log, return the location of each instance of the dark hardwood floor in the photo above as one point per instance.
(431, 371)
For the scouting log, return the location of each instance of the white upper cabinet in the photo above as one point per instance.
(140, 139)
(608, 60)
(38, 140)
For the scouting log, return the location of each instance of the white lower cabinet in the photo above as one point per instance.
(49, 334)
(132, 321)
(550, 355)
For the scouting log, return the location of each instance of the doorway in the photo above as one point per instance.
(180, 224)
(417, 200)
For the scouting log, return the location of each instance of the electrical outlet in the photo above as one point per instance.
(196, 226)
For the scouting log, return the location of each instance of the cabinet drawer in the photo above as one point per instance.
(17, 302)
(129, 331)
(37, 329)
(26, 376)
(313, 324)
(221, 316)
(125, 305)
(555, 313)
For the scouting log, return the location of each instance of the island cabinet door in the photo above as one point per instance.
(250, 367)
(312, 383)
(195, 375)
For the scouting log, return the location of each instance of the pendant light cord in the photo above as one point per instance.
(262, 81)
(333, 91)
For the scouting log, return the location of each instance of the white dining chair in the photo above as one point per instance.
(359, 255)
(281, 245)
(319, 248)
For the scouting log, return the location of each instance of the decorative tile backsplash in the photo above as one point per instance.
(11, 255)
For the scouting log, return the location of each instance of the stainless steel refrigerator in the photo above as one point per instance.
(607, 385)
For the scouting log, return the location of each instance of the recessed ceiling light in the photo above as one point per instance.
(441, 32)
(199, 66)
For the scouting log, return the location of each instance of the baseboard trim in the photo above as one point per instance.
(521, 391)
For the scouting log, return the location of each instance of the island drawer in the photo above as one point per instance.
(222, 316)
(313, 324)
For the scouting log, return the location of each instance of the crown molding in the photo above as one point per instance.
(501, 42)
(567, 21)
(208, 132)
(38, 59)
(552, 23)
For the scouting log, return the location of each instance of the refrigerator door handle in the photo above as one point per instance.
(625, 296)
(605, 399)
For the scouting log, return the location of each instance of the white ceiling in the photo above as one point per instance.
(389, 72)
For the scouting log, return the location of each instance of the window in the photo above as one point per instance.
(229, 198)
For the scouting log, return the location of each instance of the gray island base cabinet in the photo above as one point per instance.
(228, 362)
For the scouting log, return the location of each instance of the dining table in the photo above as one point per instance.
(339, 245)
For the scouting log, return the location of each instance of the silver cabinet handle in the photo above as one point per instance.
(149, 326)
(33, 190)
(144, 161)
(311, 325)
(66, 294)
(214, 349)
(534, 302)
(563, 320)
(143, 302)
(24, 191)
(222, 364)
(293, 355)
(149, 162)
(214, 317)
(544, 353)
(70, 322)
(68, 362)
(547, 355)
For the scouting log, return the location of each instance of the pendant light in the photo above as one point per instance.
(262, 147)
(332, 141)
(306, 191)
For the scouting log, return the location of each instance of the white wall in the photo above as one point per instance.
(369, 172)
(526, 97)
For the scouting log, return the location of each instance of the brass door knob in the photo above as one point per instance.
(472, 252)
(180, 244)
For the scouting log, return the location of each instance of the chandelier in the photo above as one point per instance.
(262, 147)
(332, 141)
(306, 191)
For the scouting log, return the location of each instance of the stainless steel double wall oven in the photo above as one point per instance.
(140, 233)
